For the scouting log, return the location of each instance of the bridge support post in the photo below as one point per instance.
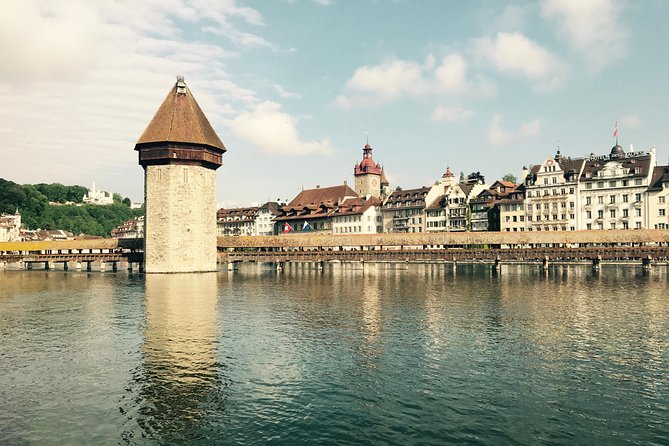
(646, 263)
(544, 264)
(30, 265)
(596, 263)
(321, 265)
(47, 266)
(498, 263)
(88, 266)
(129, 266)
(114, 266)
(65, 266)
(141, 267)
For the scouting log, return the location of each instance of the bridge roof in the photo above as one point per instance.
(180, 120)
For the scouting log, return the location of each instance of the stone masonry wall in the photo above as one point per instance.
(180, 225)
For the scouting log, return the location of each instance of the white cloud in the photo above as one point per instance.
(515, 54)
(85, 78)
(378, 84)
(498, 136)
(630, 121)
(274, 131)
(513, 18)
(591, 27)
(450, 114)
(285, 94)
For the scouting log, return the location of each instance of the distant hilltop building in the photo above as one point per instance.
(98, 197)
(180, 152)
(10, 227)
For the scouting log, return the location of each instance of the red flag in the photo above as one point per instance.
(287, 228)
(615, 131)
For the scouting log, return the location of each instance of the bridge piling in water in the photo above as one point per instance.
(596, 263)
(646, 263)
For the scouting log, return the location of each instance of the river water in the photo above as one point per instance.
(388, 354)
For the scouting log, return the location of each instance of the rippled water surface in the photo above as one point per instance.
(385, 355)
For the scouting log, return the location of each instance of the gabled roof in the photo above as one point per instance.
(356, 206)
(638, 166)
(415, 197)
(315, 203)
(320, 195)
(660, 176)
(180, 120)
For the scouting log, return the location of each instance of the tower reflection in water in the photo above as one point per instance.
(180, 384)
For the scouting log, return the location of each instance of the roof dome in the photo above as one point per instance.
(617, 151)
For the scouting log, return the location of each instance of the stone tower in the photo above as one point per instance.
(180, 152)
(368, 175)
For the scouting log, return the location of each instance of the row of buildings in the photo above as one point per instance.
(618, 190)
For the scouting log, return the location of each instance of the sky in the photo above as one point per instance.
(295, 88)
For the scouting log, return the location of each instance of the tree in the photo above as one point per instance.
(126, 201)
(510, 177)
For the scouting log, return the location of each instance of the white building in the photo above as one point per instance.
(551, 194)
(448, 202)
(98, 197)
(10, 227)
(358, 216)
(264, 224)
(237, 221)
(612, 189)
(657, 199)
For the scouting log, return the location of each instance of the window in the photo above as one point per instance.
(588, 214)
(625, 225)
(545, 205)
(588, 226)
(600, 184)
(626, 213)
(612, 184)
(571, 190)
(613, 213)
(571, 205)
(538, 206)
(638, 212)
(588, 200)
(662, 212)
(626, 183)
(660, 199)
(600, 226)
(600, 199)
(625, 198)
(613, 226)
(600, 214)
(529, 193)
(588, 185)
(637, 197)
(638, 225)
(612, 199)
(545, 181)
(571, 216)
(563, 191)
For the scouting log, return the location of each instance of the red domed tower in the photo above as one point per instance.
(368, 175)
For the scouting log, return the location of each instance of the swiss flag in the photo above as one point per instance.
(287, 227)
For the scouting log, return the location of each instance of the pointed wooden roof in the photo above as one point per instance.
(180, 120)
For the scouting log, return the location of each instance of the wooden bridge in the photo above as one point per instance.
(78, 253)
(492, 247)
(645, 246)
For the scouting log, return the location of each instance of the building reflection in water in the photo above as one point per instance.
(180, 382)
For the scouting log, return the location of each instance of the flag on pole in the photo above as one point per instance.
(287, 227)
(307, 226)
(615, 130)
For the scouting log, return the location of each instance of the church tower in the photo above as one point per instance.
(180, 152)
(368, 175)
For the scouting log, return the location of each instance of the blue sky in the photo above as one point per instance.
(294, 88)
